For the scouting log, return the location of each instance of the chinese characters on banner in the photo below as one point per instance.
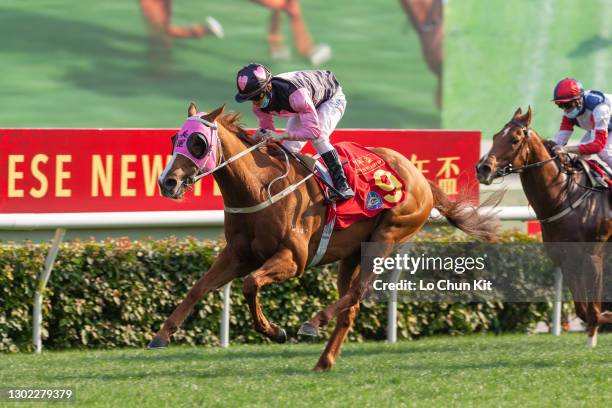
(112, 170)
(447, 157)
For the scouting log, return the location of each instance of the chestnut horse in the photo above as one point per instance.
(278, 241)
(567, 208)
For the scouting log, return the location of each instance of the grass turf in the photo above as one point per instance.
(85, 64)
(509, 370)
(500, 55)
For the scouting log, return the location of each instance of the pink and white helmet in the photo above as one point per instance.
(251, 81)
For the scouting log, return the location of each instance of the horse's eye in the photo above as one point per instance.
(197, 145)
(515, 140)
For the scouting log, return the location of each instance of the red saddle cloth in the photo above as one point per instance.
(377, 186)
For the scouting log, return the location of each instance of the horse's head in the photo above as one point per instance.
(194, 150)
(509, 151)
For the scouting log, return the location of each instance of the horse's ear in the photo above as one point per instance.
(192, 109)
(518, 113)
(212, 116)
(527, 117)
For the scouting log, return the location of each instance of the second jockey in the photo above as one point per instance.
(589, 110)
(314, 103)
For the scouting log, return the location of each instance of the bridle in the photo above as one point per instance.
(215, 131)
(199, 173)
(509, 168)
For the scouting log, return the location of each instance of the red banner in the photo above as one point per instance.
(112, 170)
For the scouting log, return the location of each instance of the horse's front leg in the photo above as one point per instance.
(225, 269)
(279, 267)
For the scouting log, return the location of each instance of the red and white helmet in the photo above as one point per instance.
(567, 90)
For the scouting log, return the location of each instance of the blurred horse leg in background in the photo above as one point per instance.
(276, 46)
(316, 54)
(158, 15)
(427, 18)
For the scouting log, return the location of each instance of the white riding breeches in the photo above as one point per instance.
(329, 112)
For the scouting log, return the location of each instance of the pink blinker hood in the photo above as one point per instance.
(195, 124)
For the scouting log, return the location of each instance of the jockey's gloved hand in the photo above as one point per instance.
(261, 134)
(275, 137)
(572, 149)
(559, 151)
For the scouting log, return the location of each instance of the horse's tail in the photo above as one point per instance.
(467, 217)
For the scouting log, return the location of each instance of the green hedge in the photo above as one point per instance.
(118, 293)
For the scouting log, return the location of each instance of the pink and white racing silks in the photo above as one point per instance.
(302, 105)
(312, 101)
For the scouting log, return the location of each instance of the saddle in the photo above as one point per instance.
(599, 177)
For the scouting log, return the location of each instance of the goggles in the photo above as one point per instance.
(568, 104)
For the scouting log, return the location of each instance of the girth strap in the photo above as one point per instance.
(569, 209)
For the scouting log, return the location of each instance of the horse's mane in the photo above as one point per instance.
(232, 122)
(548, 144)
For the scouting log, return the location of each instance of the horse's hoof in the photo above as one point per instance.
(308, 329)
(157, 343)
(281, 337)
(323, 367)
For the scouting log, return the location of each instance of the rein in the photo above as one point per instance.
(228, 161)
(509, 168)
(221, 164)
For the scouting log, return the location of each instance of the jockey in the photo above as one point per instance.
(314, 103)
(589, 110)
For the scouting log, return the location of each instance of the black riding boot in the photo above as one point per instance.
(332, 161)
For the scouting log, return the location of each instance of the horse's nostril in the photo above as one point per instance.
(484, 169)
(170, 184)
